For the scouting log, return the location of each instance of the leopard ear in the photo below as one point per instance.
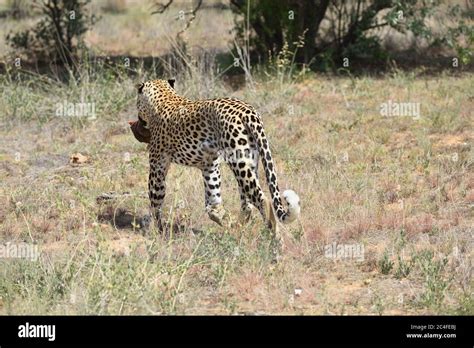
(171, 82)
(139, 87)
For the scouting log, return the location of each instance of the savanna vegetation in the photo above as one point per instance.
(368, 109)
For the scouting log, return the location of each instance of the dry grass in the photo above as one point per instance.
(389, 184)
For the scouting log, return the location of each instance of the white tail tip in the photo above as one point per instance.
(293, 202)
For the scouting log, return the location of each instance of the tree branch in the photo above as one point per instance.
(162, 7)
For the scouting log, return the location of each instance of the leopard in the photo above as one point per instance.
(203, 134)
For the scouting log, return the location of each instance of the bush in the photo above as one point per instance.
(336, 29)
(56, 38)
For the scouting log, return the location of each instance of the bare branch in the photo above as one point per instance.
(193, 16)
(162, 7)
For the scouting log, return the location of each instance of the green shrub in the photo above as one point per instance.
(57, 37)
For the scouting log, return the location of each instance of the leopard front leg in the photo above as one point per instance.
(157, 186)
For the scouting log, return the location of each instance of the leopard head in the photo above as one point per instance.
(151, 96)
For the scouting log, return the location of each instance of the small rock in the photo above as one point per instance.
(298, 292)
(78, 158)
